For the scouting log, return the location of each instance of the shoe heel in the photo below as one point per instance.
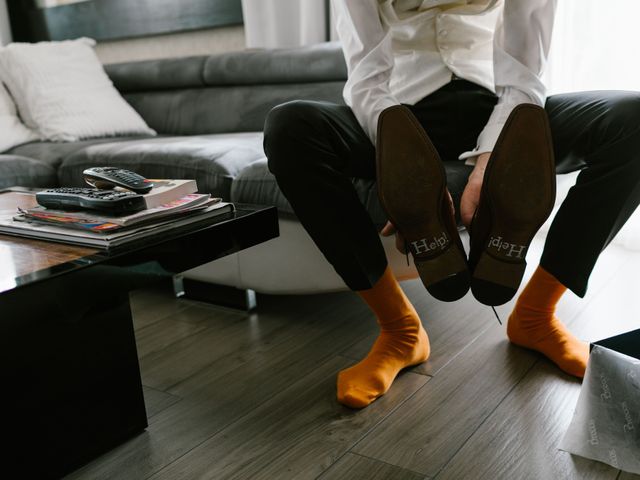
(494, 280)
(439, 281)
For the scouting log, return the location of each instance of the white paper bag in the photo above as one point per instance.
(606, 422)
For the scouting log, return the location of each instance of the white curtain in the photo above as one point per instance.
(284, 23)
(5, 29)
(595, 47)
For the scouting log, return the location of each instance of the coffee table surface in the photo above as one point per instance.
(24, 260)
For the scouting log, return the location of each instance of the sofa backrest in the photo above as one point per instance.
(231, 92)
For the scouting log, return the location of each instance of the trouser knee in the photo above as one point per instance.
(287, 131)
(618, 128)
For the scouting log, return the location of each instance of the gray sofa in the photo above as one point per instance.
(209, 113)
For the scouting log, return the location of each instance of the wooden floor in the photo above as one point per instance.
(252, 396)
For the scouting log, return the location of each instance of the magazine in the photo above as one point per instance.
(20, 226)
(101, 222)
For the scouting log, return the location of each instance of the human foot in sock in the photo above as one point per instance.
(394, 350)
(402, 343)
(533, 325)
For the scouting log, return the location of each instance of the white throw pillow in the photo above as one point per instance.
(63, 92)
(12, 130)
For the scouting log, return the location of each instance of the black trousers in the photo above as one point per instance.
(316, 148)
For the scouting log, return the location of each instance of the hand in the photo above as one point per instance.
(389, 229)
(471, 195)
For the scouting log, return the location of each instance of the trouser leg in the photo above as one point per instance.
(599, 134)
(314, 150)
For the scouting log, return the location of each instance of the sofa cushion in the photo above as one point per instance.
(255, 184)
(52, 153)
(213, 160)
(25, 172)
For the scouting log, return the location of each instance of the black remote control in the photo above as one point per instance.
(106, 178)
(108, 201)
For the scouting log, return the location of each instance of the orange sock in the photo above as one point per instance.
(533, 325)
(403, 342)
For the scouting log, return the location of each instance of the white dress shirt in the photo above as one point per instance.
(400, 51)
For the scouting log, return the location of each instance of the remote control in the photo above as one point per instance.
(107, 201)
(106, 178)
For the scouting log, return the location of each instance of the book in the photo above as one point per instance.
(165, 191)
(99, 221)
(18, 225)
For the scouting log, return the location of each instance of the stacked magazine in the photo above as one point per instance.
(171, 205)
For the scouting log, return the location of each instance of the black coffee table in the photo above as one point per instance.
(68, 360)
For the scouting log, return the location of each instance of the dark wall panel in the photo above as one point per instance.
(117, 19)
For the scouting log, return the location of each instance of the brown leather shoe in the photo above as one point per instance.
(518, 194)
(412, 188)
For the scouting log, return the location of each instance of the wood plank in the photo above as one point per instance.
(152, 304)
(432, 425)
(166, 368)
(357, 467)
(237, 336)
(156, 401)
(307, 318)
(157, 337)
(296, 434)
(520, 439)
(333, 322)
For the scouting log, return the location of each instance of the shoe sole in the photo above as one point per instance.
(412, 189)
(519, 188)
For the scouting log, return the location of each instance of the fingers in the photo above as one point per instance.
(451, 205)
(401, 244)
(468, 207)
(466, 220)
(388, 230)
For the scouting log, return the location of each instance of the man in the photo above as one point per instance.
(456, 80)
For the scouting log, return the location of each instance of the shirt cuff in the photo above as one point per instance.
(371, 123)
(486, 141)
